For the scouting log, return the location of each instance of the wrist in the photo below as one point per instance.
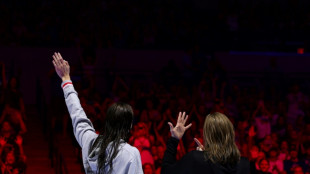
(65, 78)
(175, 137)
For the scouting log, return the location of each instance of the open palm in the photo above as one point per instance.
(61, 67)
(180, 128)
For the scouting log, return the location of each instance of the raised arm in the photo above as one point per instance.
(169, 161)
(82, 127)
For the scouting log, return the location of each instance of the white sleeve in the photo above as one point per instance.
(135, 166)
(82, 127)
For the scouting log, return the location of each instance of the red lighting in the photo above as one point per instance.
(300, 50)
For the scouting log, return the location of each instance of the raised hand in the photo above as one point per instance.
(180, 128)
(61, 66)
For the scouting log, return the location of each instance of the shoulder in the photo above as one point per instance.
(130, 151)
(195, 156)
(195, 153)
(244, 165)
(244, 160)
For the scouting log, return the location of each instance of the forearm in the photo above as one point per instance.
(82, 126)
(66, 78)
(170, 153)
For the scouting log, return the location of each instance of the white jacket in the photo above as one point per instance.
(128, 159)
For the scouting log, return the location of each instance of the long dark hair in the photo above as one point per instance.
(116, 128)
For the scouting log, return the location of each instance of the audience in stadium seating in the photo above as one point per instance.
(12, 127)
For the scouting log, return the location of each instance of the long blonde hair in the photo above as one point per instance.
(219, 139)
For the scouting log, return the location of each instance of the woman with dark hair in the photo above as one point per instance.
(108, 152)
(218, 155)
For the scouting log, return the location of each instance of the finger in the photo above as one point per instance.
(170, 125)
(59, 55)
(183, 116)
(198, 148)
(188, 126)
(56, 60)
(185, 119)
(67, 63)
(54, 63)
(62, 62)
(197, 142)
(179, 117)
(55, 56)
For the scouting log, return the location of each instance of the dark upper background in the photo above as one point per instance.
(96, 32)
(247, 25)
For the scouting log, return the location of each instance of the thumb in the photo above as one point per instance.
(170, 125)
(199, 144)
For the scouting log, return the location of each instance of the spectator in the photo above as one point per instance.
(284, 152)
(14, 97)
(15, 119)
(293, 161)
(298, 170)
(148, 168)
(276, 165)
(143, 141)
(262, 122)
(12, 161)
(263, 167)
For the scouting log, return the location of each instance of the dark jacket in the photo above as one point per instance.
(195, 162)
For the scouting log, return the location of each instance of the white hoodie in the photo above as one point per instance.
(128, 159)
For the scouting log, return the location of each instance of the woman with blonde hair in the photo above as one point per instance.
(218, 155)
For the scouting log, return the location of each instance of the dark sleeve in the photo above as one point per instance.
(169, 164)
(244, 167)
(170, 153)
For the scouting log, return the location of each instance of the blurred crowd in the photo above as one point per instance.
(270, 114)
(159, 24)
(12, 125)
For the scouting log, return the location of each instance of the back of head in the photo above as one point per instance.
(219, 139)
(116, 128)
(118, 120)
